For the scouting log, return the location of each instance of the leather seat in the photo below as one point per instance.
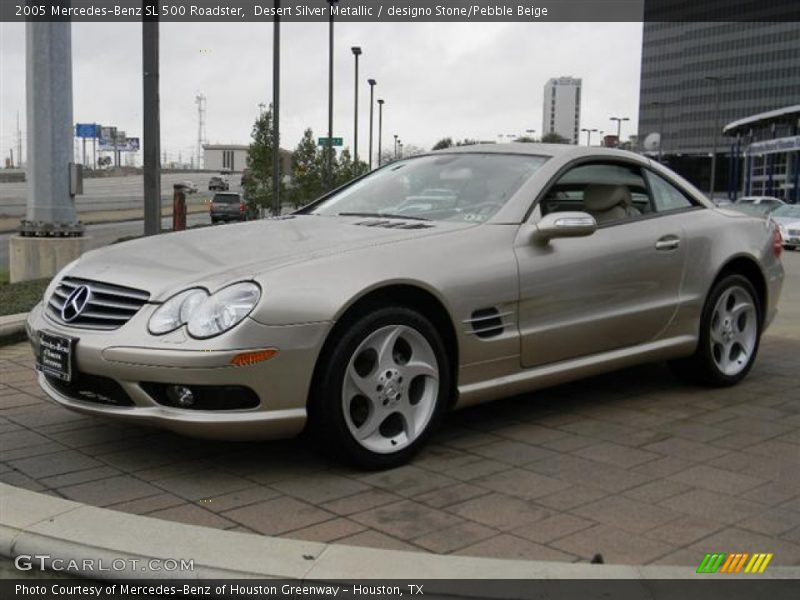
(608, 203)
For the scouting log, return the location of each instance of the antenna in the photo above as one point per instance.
(200, 100)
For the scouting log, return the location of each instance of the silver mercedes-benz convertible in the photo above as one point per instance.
(432, 283)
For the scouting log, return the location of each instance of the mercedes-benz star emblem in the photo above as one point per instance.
(75, 303)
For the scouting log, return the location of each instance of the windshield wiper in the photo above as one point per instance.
(381, 215)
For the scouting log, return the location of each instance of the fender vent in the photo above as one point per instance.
(486, 322)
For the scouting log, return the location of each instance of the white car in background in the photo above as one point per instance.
(787, 217)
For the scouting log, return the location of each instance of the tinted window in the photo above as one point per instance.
(609, 192)
(666, 196)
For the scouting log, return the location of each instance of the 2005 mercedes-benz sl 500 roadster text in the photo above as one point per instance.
(434, 282)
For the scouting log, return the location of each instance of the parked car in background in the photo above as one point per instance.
(368, 316)
(788, 219)
(759, 206)
(218, 183)
(228, 206)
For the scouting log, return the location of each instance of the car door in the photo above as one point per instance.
(616, 288)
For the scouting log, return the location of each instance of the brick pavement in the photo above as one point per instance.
(633, 465)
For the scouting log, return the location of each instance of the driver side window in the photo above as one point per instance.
(610, 192)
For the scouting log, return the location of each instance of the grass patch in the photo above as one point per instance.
(20, 297)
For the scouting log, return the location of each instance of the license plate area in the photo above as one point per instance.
(56, 356)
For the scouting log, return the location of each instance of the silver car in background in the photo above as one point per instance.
(432, 283)
(787, 217)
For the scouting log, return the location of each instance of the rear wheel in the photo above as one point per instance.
(383, 388)
(730, 331)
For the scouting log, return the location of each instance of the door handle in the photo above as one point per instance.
(668, 242)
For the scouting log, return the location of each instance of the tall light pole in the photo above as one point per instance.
(329, 144)
(395, 145)
(356, 53)
(619, 121)
(717, 81)
(151, 127)
(276, 112)
(588, 135)
(380, 128)
(371, 83)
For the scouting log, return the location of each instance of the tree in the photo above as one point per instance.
(443, 143)
(554, 138)
(258, 187)
(467, 142)
(526, 139)
(345, 169)
(307, 174)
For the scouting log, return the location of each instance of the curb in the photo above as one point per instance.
(124, 220)
(12, 328)
(32, 523)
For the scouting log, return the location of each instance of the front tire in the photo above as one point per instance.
(730, 332)
(382, 389)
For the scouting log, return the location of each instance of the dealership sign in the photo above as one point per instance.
(786, 144)
(87, 130)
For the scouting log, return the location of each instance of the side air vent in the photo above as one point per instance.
(486, 322)
(386, 224)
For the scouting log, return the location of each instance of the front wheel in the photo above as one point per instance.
(383, 388)
(730, 331)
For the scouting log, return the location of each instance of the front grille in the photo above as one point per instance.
(109, 306)
(92, 388)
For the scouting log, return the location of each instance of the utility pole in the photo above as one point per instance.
(151, 144)
(329, 144)
(200, 100)
(276, 111)
(19, 144)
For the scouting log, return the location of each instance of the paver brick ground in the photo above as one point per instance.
(633, 465)
(605, 469)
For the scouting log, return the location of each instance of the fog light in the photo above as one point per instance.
(180, 395)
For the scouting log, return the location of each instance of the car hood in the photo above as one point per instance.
(216, 256)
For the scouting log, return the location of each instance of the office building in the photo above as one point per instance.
(696, 77)
(562, 108)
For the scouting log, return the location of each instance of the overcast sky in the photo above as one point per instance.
(438, 79)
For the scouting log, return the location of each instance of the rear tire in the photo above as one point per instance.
(730, 332)
(381, 390)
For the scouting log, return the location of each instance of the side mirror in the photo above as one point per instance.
(564, 224)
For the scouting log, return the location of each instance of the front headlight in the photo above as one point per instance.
(176, 311)
(223, 310)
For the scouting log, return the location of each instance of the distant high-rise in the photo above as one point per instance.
(562, 108)
(753, 66)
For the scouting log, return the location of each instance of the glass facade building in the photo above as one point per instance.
(755, 68)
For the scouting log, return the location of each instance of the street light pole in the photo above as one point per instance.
(371, 83)
(588, 135)
(276, 111)
(619, 121)
(395, 145)
(356, 53)
(152, 128)
(717, 85)
(380, 128)
(329, 144)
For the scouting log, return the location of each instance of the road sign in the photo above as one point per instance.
(87, 130)
(323, 141)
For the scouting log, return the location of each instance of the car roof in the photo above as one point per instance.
(549, 150)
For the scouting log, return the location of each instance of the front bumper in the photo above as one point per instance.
(130, 357)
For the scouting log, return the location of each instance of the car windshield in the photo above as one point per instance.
(226, 198)
(791, 211)
(458, 187)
